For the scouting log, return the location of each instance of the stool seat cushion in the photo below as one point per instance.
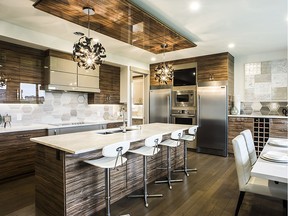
(106, 162)
(145, 151)
(170, 143)
(187, 137)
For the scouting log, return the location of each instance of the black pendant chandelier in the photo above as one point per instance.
(164, 71)
(86, 52)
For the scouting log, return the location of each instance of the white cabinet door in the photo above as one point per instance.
(63, 65)
(60, 78)
(88, 81)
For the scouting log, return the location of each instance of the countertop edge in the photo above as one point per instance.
(258, 116)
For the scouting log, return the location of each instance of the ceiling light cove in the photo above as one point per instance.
(195, 6)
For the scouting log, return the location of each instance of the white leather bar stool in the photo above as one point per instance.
(173, 142)
(149, 149)
(112, 158)
(188, 138)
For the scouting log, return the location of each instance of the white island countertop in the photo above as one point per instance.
(83, 142)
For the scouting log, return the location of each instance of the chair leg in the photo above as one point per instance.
(240, 199)
(107, 191)
(145, 182)
(169, 180)
(185, 169)
(285, 207)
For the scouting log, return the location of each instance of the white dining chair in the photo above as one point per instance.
(248, 183)
(112, 158)
(250, 145)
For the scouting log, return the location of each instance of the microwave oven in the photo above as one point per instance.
(183, 98)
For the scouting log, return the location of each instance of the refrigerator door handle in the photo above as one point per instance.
(198, 110)
(168, 109)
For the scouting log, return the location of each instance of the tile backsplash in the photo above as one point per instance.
(61, 107)
(263, 108)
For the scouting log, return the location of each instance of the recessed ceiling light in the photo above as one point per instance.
(231, 45)
(194, 6)
(153, 59)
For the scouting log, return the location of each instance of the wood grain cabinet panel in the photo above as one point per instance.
(235, 126)
(17, 153)
(278, 128)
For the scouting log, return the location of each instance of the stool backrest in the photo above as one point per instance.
(250, 145)
(193, 130)
(153, 140)
(176, 135)
(116, 149)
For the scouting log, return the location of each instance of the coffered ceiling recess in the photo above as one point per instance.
(120, 20)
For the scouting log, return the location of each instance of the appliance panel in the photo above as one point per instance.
(160, 105)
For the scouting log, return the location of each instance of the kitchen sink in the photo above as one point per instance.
(117, 130)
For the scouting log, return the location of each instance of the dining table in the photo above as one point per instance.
(272, 164)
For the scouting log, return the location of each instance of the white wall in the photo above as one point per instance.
(239, 73)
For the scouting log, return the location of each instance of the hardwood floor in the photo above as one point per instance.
(212, 191)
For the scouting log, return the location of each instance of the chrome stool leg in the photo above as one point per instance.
(107, 191)
(145, 181)
(185, 169)
(169, 169)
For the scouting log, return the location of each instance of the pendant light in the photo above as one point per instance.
(164, 71)
(86, 52)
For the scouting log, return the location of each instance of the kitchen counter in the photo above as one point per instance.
(25, 127)
(66, 185)
(258, 116)
(83, 142)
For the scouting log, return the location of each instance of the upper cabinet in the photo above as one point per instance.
(23, 67)
(109, 85)
(62, 73)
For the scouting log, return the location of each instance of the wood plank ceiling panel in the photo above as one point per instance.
(120, 20)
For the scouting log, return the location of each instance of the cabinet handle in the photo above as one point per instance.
(23, 136)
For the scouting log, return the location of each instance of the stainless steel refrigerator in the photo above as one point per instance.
(160, 106)
(212, 118)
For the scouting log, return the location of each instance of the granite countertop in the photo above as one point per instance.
(83, 142)
(39, 126)
(258, 116)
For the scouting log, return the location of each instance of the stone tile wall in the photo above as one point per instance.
(61, 107)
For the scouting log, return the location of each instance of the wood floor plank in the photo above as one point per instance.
(211, 191)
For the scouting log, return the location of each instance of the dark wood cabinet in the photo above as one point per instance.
(17, 153)
(23, 66)
(278, 127)
(235, 126)
(114, 125)
(109, 84)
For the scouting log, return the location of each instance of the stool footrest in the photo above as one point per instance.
(148, 195)
(185, 170)
(165, 181)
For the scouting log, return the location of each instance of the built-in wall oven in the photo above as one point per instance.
(183, 117)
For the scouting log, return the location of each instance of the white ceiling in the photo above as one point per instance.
(254, 26)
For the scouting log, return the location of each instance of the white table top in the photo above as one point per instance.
(82, 142)
(271, 170)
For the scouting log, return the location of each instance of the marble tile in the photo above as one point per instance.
(279, 93)
(260, 78)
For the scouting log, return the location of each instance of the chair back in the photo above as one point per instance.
(116, 149)
(193, 130)
(176, 135)
(250, 145)
(242, 161)
(153, 140)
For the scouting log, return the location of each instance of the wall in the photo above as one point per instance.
(60, 107)
(239, 73)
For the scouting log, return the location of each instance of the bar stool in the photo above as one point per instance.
(188, 137)
(150, 149)
(112, 158)
(173, 142)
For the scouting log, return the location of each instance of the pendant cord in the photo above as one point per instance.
(89, 23)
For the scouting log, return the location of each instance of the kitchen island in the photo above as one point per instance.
(65, 185)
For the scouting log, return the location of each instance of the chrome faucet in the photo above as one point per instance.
(123, 116)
